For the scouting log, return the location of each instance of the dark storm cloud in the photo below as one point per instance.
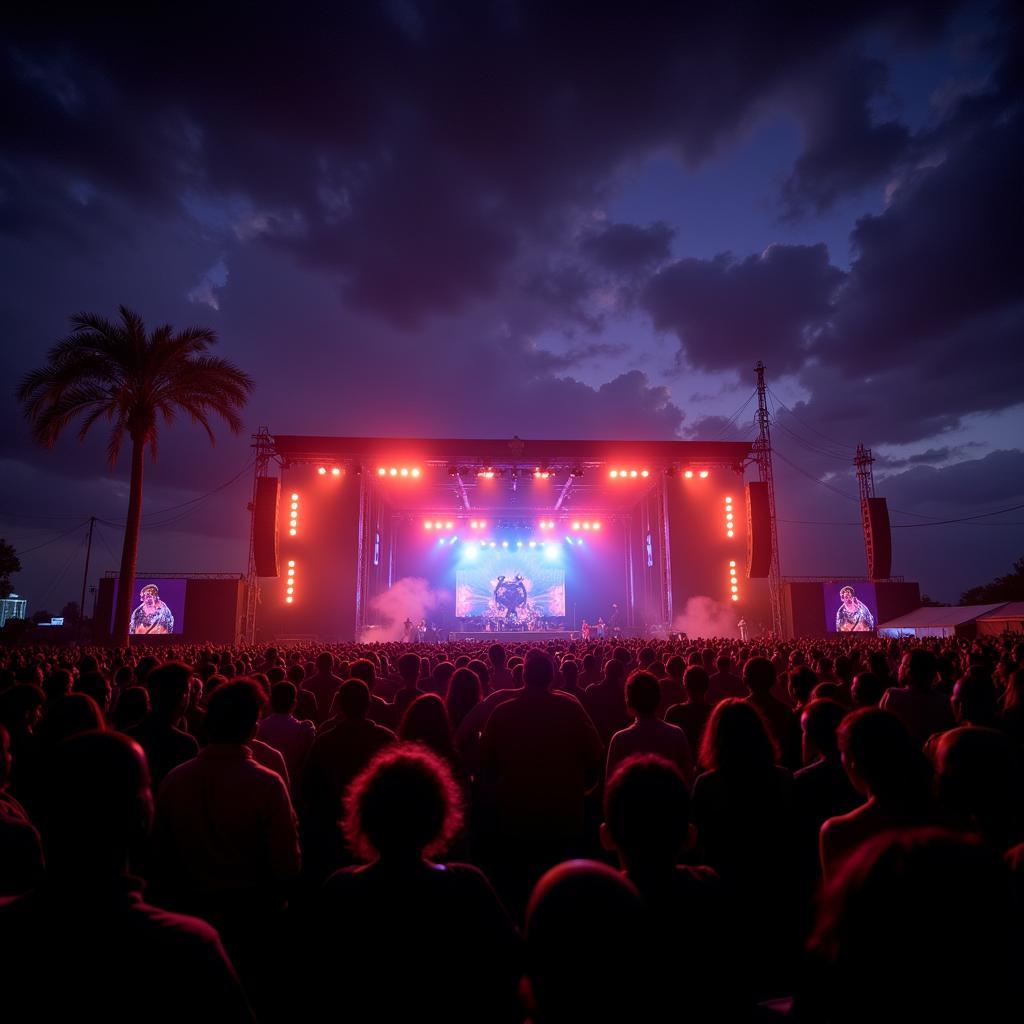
(728, 312)
(628, 248)
(416, 146)
(997, 479)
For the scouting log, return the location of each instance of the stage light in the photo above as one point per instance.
(473, 525)
(428, 526)
(596, 526)
(732, 565)
(470, 551)
(292, 532)
(533, 543)
(295, 497)
(735, 589)
(289, 599)
(382, 471)
(437, 526)
(688, 474)
(291, 564)
(504, 543)
(493, 545)
(728, 501)
(291, 571)
(586, 526)
(735, 597)
(393, 471)
(729, 533)
(728, 517)
(732, 572)
(645, 473)
(290, 590)
(322, 471)
(483, 523)
(415, 471)
(448, 526)
(575, 526)
(704, 474)
(335, 471)
(614, 473)
(633, 473)
(552, 552)
(519, 543)
(403, 471)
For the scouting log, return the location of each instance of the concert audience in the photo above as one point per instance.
(720, 884)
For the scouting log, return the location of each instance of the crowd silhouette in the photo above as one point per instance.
(817, 831)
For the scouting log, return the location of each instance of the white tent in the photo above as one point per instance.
(953, 621)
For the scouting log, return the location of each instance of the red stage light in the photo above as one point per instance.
(575, 526)
(335, 471)
(597, 526)
(322, 470)
(428, 526)
(447, 526)
(688, 474)
(704, 474)
(614, 473)
(392, 471)
(415, 471)
(735, 597)
(382, 471)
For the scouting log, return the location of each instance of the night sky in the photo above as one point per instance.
(543, 219)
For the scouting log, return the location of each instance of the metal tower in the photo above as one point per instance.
(866, 488)
(263, 444)
(763, 458)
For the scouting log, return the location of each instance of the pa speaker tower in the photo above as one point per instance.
(878, 539)
(759, 531)
(268, 496)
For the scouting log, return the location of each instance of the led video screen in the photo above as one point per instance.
(515, 586)
(158, 607)
(850, 607)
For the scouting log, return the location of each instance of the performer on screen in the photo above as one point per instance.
(152, 616)
(853, 615)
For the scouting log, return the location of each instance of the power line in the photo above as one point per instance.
(77, 526)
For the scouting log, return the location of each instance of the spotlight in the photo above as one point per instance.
(735, 597)
(437, 526)
(403, 471)
(586, 526)
(728, 501)
(519, 543)
(552, 552)
(289, 599)
(645, 473)
(335, 471)
(688, 474)
(493, 545)
(428, 526)
(732, 565)
(533, 543)
(473, 524)
(393, 471)
(704, 474)
(597, 526)
(504, 543)
(447, 526)
(483, 523)
(614, 473)
(291, 563)
(728, 533)
(575, 526)
(633, 473)
(295, 497)
(322, 470)
(291, 572)
(292, 532)
(415, 472)
(728, 517)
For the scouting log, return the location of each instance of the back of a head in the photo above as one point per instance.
(697, 681)
(464, 693)
(443, 671)
(643, 693)
(570, 670)
(325, 662)
(426, 721)
(802, 682)
(132, 707)
(736, 740)
(979, 783)
(168, 686)
(496, 653)
(283, 697)
(586, 944)
(233, 711)
(97, 800)
(920, 668)
(614, 671)
(353, 699)
(820, 722)
(365, 670)
(538, 672)
(759, 675)
(974, 699)
(675, 667)
(868, 690)
(907, 904)
(723, 663)
(645, 657)
(409, 667)
(883, 754)
(71, 715)
(404, 804)
(647, 810)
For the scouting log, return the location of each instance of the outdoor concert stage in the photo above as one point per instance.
(352, 537)
(511, 637)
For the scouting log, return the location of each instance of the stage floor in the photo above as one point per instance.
(514, 637)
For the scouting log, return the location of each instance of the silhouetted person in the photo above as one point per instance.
(867, 690)
(692, 715)
(408, 671)
(605, 701)
(648, 734)
(67, 717)
(647, 824)
(226, 845)
(86, 946)
(284, 732)
(921, 708)
(919, 926)
(724, 682)
(589, 943)
(131, 708)
(759, 679)
(21, 855)
(570, 677)
(501, 678)
(887, 768)
(419, 939)
(540, 754)
(334, 760)
(672, 688)
(166, 745)
(323, 685)
(464, 693)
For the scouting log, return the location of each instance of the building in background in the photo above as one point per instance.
(12, 607)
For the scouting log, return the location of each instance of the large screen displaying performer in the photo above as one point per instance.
(850, 607)
(159, 609)
(501, 585)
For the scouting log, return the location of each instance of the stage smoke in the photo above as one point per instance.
(409, 598)
(704, 616)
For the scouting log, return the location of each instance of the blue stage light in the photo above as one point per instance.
(504, 543)
(552, 551)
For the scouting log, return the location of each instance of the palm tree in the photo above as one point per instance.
(118, 372)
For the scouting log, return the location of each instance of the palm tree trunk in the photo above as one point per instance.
(130, 548)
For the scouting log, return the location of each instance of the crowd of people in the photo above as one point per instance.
(691, 830)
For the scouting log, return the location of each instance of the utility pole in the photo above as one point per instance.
(763, 458)
(85, 580)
